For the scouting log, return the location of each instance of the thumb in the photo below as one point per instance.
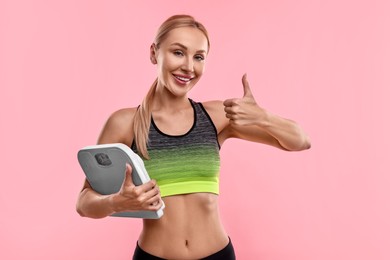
(247, 90)
(128, 181)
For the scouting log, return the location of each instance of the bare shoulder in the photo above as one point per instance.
(122, 116)
(216, 111)
(119, 127)
(213, 105)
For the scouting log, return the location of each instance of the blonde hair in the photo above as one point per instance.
(142, 117)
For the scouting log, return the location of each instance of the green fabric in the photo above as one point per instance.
(185, 169)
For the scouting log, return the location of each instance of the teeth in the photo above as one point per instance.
(183, 79)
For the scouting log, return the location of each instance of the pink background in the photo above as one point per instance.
(65, 66)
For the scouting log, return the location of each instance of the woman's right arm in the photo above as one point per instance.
(118, 129)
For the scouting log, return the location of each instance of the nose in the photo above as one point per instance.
(188, 65)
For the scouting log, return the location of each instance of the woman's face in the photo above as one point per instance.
(180, 59)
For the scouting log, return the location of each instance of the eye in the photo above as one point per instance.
(178, 53)
(199, 57)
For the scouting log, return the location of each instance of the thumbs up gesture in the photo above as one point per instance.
(244, 111)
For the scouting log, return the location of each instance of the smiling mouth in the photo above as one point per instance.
(183, 79)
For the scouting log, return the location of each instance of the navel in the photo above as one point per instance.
(186, 242)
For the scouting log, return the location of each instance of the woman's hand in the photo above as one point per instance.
(131, 197)
(245, 111)
(249, 121)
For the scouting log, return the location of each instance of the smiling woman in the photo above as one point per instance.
(179, 140)
(177, 48)
(180, 59)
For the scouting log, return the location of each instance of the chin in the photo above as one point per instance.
(180, 91)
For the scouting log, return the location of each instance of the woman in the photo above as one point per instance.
(179, 140)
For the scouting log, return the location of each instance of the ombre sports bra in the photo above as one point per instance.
(186, 163)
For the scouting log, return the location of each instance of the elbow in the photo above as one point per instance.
(81, 214)
(303, 141)
(81, 206)
(298, 141)
(84, 214)
(303, 144)
(79, 210)
(306, 143)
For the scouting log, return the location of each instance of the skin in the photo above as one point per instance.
(191, 226)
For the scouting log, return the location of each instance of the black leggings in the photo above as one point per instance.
(227, 253)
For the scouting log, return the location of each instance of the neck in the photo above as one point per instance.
(165, 100)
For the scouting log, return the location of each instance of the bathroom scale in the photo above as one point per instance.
(104, 166)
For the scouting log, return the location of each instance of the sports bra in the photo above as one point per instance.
(187, 163)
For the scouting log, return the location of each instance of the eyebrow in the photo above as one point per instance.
(185, 47)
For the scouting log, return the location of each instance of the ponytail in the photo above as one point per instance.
(142, 119)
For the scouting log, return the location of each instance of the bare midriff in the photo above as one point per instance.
(189, 229)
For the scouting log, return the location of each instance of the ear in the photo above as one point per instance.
(153, 54)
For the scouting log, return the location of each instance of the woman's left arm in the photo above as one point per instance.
(249, 121)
